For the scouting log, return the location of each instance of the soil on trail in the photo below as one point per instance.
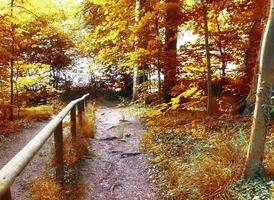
(12, 145)
(117, 169)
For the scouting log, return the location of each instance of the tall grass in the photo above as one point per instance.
(200, 157)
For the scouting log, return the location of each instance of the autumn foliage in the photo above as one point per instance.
(181, 57)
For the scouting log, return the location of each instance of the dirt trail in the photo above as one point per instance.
(118, 170)
(11, 146)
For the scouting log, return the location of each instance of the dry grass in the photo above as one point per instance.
(200, 157)
(72, 152)
(46, 188)
(88, 128)
(37, 113)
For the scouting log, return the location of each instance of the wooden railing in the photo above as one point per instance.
(17, 164)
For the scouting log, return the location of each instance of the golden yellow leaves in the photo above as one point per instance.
(32, 74)
(99, 2)
(175, 102)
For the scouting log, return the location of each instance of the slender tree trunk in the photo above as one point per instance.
(251, 53)
(12, 62)
(220, 47)
(135, 83)
(254, 162)
(209, 81)
(159, 83)
(158, 64)
(170, 60)
(136, 76)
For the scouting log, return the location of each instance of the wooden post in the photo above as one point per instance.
(73, 123)
(58, 138)
(7, 195)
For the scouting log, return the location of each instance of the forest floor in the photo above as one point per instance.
(115, 163)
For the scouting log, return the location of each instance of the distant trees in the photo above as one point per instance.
(54, 48)
(123, 38)
(167, 39)
(33, 53)
(4, 55)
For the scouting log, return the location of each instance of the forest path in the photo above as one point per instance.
(117, 169)
(12, 145)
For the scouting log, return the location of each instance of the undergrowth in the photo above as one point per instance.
(37, 113)
(27, 117)
(73, 151)
(200, 157)
(47, 188)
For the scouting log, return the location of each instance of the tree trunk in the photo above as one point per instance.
(220, 47)
(135, 83)
(251, 53)
(254, 162)
(170, 60)
(252, 66)
(12, 62)
(136, 75)
(250, 100)
(158, 63)
(209, 81)
(159, 83)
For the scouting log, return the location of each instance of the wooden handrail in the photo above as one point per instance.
(17, 164)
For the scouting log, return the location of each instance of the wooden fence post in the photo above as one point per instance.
(73, 123)
(58, 138)
(7, 195)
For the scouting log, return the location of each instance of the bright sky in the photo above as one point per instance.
(69, 7)
(184, 37)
